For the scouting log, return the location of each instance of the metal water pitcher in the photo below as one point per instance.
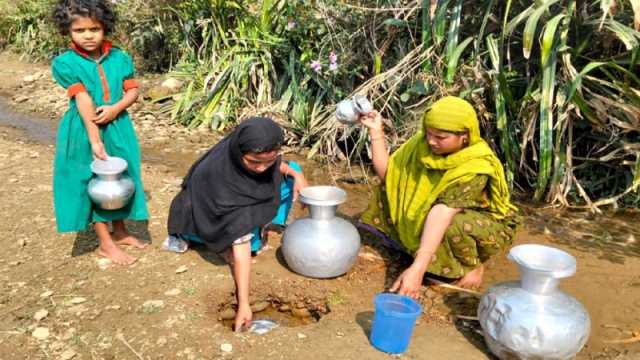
(321, 245)
(110, 189)
(532, 319)
(349, 110)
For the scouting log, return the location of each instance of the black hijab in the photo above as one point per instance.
(221, 200)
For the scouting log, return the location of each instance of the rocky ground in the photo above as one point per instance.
(59, 300)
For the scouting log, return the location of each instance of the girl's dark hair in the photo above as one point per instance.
(66, 10)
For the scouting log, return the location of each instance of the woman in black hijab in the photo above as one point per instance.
(230, 193)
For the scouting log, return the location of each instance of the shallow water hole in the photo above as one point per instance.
(298, 312)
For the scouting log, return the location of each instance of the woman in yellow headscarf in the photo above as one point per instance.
(444, 197)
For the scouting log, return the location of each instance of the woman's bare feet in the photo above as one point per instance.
(473, 279)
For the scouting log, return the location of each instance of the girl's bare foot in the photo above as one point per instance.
(122, 237)
(472, 279)
(126, 239)
(115, 254)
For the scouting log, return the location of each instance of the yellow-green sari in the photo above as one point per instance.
(472, 179)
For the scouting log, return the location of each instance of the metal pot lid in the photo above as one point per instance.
(112, 166)
(544, 259)
(322, 195)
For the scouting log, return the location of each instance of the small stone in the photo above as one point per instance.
(300, 313)
(172, 84)
(46, 294)
(20, 99)
(77, 310)
(104, 263)
(226, 348)
(173, 292)
(112, 307)
(67, 355)
(40, 333)
(181, 269)
(34, 155)
(78, 300)
(21, 242)
(284, 308)
(227, 314)
(302, 336)
(339, 334)
(30, 78)
(40, 314)
(259, 306)
(153, 304)
(161, 341)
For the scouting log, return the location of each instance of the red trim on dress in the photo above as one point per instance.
(75, 89)
(129, 84)
(105, 85)
(106, 48)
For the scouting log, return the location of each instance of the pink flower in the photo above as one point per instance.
(333, 58)
(316, 66)
(333, 66)
(291, 24)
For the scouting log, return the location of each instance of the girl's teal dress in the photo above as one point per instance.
(105, 80)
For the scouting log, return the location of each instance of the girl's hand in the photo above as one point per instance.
(299, 183)
(243, 317)
(97, 147)
(105, 114)
(373, 121)
(409, 282)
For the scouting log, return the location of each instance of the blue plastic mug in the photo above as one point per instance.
(393, 322)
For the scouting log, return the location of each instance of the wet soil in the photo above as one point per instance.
(155, 310)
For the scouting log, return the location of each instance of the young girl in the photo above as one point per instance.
(232, 192)
(444, 197)
(100, 85)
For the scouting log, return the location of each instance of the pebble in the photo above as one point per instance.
(40, 314)
(227, 314)
(284, 308)
(40, 333)
(78, 300)
(67, 355)
(173, 292)
(302, 336)
(181, 269)
(300, 313)
(226, 348)
(46, 294)
(153, 303)
(259, 306)
(21, 242)
(104, 263)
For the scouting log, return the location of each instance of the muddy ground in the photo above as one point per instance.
(59, 300)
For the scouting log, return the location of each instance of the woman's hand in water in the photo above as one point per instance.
(97, 147)
(105, 114)
(243, 317)
(409, 282)
(373, 121)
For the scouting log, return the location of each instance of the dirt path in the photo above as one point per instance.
(152, 311)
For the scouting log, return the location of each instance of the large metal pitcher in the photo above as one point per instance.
(321, 245)
(531, 318)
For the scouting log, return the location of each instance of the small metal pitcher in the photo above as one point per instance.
(349, 110)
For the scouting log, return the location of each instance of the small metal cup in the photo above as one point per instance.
(349, 110)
